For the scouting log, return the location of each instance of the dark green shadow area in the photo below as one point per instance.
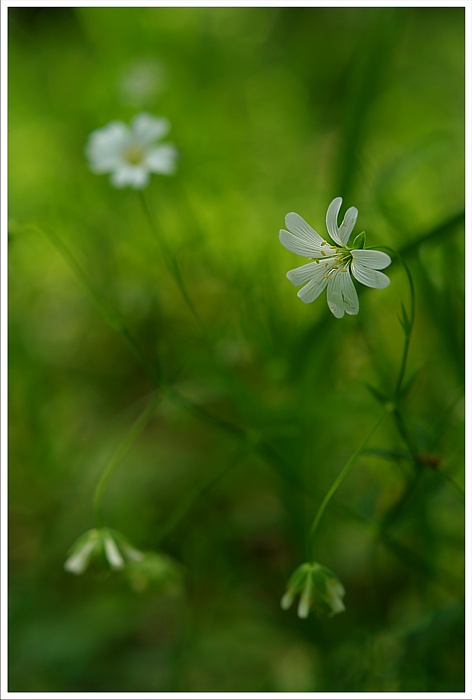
(264, 399)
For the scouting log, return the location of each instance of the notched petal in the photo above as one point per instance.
(300, 228)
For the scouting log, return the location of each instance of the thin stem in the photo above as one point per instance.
(120, 454)
(179, 512)
(169, 259)
(408, 329)
(110, 315)
(407, 321)
(155, 374)
(338, 481)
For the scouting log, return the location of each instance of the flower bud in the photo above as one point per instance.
(319, 588)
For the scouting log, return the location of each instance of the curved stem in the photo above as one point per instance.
(337, 483)
(407, 320)
(119, 455)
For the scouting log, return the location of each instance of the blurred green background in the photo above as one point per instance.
(273, 110)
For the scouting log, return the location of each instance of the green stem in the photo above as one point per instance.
(120, 454)
(407, 320)
(169, 259)
(181, 510)
(111, 316)
(337, 483)
(154, 372)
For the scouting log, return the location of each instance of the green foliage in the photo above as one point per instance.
(261, 399)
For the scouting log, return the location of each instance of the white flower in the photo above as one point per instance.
(333, 262)
(107, 548)
(130, 153)
(319, 589)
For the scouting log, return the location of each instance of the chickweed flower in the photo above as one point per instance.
(333, 262)
(319, 588)
(104, 547)
(130, 154)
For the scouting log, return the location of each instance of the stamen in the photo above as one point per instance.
(317, 261)
(322, 252)
(324, 243)
(325, 276)
(335, 267)
(343, 270)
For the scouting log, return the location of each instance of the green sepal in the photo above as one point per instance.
(359, 241)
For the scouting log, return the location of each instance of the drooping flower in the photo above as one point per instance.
(333, 263)
(130, 153)
(105, 547)
(319, 588)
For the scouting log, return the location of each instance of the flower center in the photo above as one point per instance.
(133, 154)
(345, 257)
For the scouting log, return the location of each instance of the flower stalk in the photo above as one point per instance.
(338, 481)
(120, 454)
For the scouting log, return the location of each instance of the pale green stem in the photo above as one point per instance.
(338, 481)
(120, 454)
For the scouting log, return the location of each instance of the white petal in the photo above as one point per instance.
(335, 594)
(108, 140)
(332, 219)
(105, 145)
(147, 128)
(315, 286)
(299, 227)
(349, 221)
(303, 240)
(296, 245)
(304, 273)
(112, 553)
(131, 176)
(374, 259)
(162, 159)
(348, 293)
(368, 276)
(286, 601)
(79, 560)
(341, 294)
(336, 605)
(305, 599)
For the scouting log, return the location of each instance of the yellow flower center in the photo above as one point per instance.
(133, 154)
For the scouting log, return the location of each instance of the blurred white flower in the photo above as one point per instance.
(333, 262)
(130, 153)
(319, 589)
(107, 548)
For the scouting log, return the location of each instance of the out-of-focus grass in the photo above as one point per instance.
(273, 110)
